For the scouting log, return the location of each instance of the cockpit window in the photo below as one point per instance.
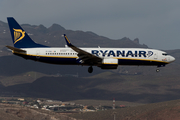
(165, 54)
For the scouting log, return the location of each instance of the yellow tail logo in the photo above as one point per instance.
(18, 35)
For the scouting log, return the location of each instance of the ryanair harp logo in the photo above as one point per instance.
(18, 35)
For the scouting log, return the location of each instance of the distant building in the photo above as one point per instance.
(21, 99)
(122, 106)
(63, 105)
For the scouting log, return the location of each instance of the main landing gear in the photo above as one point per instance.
(90, 69)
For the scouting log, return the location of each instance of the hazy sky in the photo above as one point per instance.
(155, 22)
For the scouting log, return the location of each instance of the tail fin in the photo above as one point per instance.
(19, 37)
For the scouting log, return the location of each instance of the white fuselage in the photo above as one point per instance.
(125, 56)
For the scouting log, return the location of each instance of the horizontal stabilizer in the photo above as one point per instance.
(15, 49)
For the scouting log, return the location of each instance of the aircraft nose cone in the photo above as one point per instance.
(172, 59)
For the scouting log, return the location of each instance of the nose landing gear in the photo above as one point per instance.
(157, 70)
(90, 69)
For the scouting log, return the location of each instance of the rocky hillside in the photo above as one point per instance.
(52, 36)
(15, 112)
(20, 77)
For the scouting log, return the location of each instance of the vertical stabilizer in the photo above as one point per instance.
(19, 37)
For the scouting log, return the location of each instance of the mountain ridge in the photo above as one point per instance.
(52, 37)
(30, 78)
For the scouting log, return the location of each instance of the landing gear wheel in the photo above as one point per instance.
(90, 69)
(157, 70)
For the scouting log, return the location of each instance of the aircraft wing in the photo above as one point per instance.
(86, 57)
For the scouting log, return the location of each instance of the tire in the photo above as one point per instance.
(90, 69)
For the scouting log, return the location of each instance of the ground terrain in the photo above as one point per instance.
(156, 111)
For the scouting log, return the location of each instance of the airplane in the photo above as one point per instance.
(105, 58)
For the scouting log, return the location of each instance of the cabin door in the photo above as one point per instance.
(37, 54)
(155, 55)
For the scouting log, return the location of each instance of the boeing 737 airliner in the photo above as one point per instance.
(105, 58)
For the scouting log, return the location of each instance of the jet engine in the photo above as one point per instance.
(109, 63)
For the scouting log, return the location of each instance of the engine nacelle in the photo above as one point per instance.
(109, 63)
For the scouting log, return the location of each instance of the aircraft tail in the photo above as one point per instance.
(19, 37)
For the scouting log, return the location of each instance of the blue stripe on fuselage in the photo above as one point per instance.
(138, 62)
(74, 61)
